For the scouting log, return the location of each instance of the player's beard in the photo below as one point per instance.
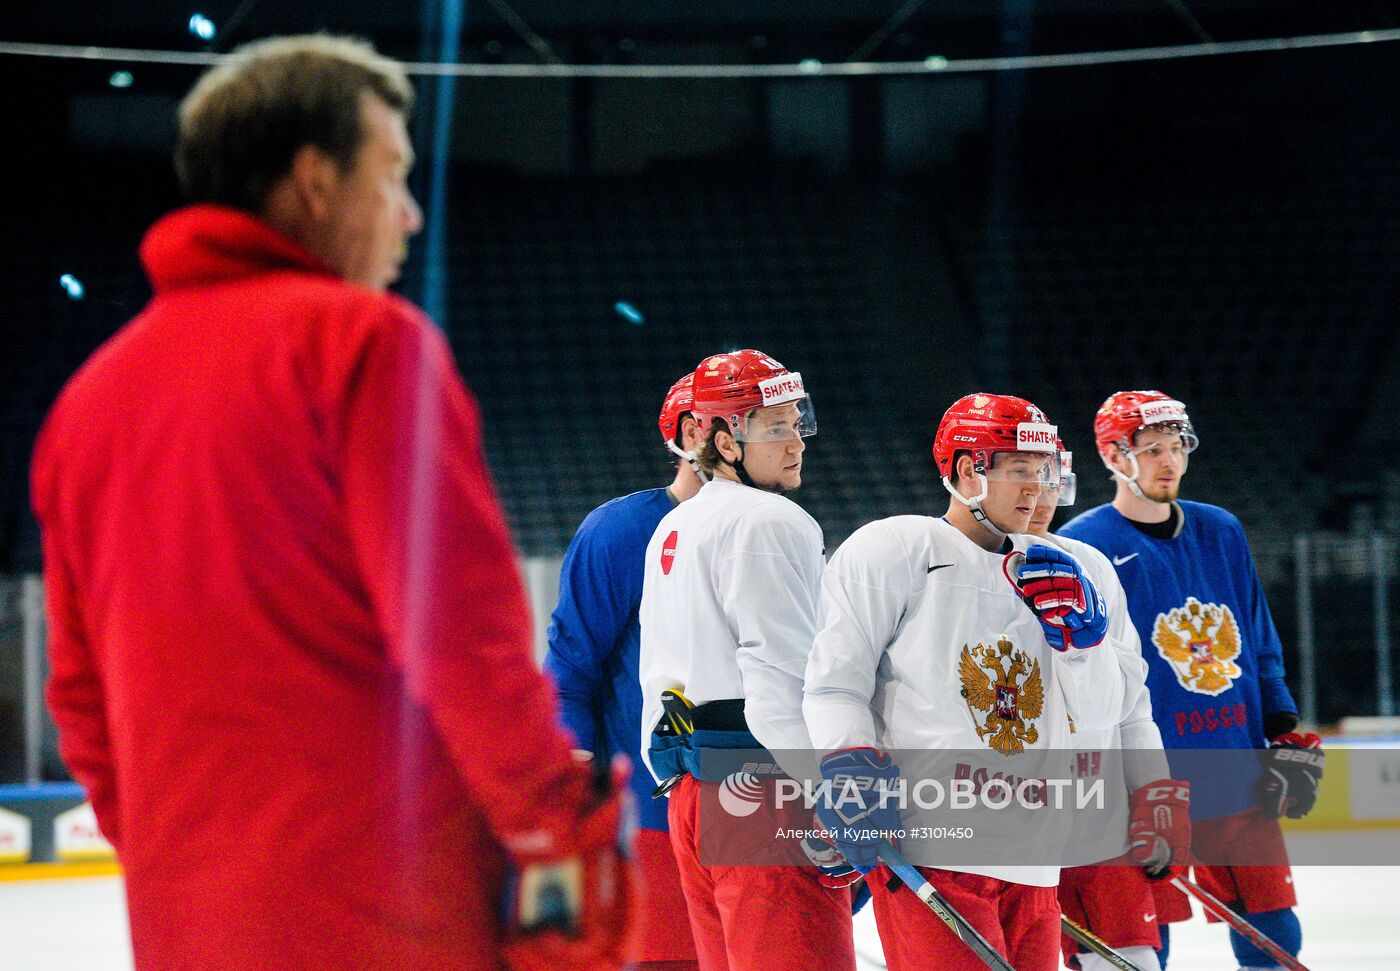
(777, 488)
(1164, 493)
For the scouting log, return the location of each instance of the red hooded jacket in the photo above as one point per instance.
(290, 649)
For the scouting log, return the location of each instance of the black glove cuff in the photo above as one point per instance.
(1279, 723)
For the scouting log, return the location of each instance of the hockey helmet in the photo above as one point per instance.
(678, 401)
(1126, 413)
(729, 387)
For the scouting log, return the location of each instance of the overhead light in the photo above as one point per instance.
(629, 313)
(202, 27)
(72, 286)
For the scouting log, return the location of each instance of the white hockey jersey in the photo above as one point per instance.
(729, 609)
(1137, 734)
(916, 617)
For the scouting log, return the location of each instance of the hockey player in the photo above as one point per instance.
(290, 651)
(729, 608)
(1215, 662)
(594, 647)
(1115, 901)
(906, 602)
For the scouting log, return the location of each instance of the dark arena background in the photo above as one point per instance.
(904, 201)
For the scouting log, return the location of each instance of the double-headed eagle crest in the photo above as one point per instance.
(1200, 642)
(1009, 690)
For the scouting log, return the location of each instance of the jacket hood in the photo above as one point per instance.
(204, 244)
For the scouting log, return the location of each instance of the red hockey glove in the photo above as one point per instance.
(1293, 767)
(1159, 830)
(573, 908)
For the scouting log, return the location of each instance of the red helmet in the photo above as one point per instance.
(986, 423)
(678, 401)
(729, 386)
(1126, 413)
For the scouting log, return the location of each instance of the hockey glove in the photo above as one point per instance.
(572, 906)
(1293, 766)
(858, 808)
(1057, 589)
(833, 872)
(1159, 828)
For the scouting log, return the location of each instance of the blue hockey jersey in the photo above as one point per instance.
(1215, 664)
(595, 637)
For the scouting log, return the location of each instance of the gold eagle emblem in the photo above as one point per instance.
(1200, 642)
(1005, 684)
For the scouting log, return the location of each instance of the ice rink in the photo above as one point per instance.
(1348, 917)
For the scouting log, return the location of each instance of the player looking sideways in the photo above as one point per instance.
(291, 654)
(594, 647)
(1115, 901)
(729, 609)
(1214, 658)
(906, 602)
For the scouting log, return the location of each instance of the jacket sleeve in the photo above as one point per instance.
(440, 571)
(770, 580)
(74, 693)
(865, 590)
(593, 611)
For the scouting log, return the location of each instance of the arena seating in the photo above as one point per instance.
(1262, 295)
(1264, 299)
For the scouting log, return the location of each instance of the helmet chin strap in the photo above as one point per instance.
(742, 472)
(1131, 480)
(690, 460)
(974, 505)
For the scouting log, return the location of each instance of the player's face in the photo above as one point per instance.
(1044, 511)
(371, 213)
(1162, 459)
(773, 449)
(1014, 490)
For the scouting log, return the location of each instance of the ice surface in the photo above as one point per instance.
(1348, 914)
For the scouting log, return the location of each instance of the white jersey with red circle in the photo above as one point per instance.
(729, 609)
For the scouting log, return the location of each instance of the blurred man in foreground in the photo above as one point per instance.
(290, 650)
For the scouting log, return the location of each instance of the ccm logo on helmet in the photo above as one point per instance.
(784, 387)
(668, 554)
(1035, 437)
(1157, 412)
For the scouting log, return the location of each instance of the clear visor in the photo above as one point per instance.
(1188, 443)
(1179, 448)
(776, 423)
(1041, 468)
(1064, 493)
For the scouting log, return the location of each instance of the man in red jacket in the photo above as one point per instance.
(290, 650)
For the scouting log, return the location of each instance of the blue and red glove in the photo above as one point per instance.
(1057, 589)
(833, 872)
(859, 807)
(1293, 767)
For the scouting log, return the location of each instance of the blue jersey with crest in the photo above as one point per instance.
(595, 637)
(1215, 665)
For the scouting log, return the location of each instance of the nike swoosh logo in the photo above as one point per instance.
(939, 566)
(1120, 560)
(1148, 918)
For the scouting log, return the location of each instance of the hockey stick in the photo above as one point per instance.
(965, 932)
(1097, 944)
(1241, 926)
